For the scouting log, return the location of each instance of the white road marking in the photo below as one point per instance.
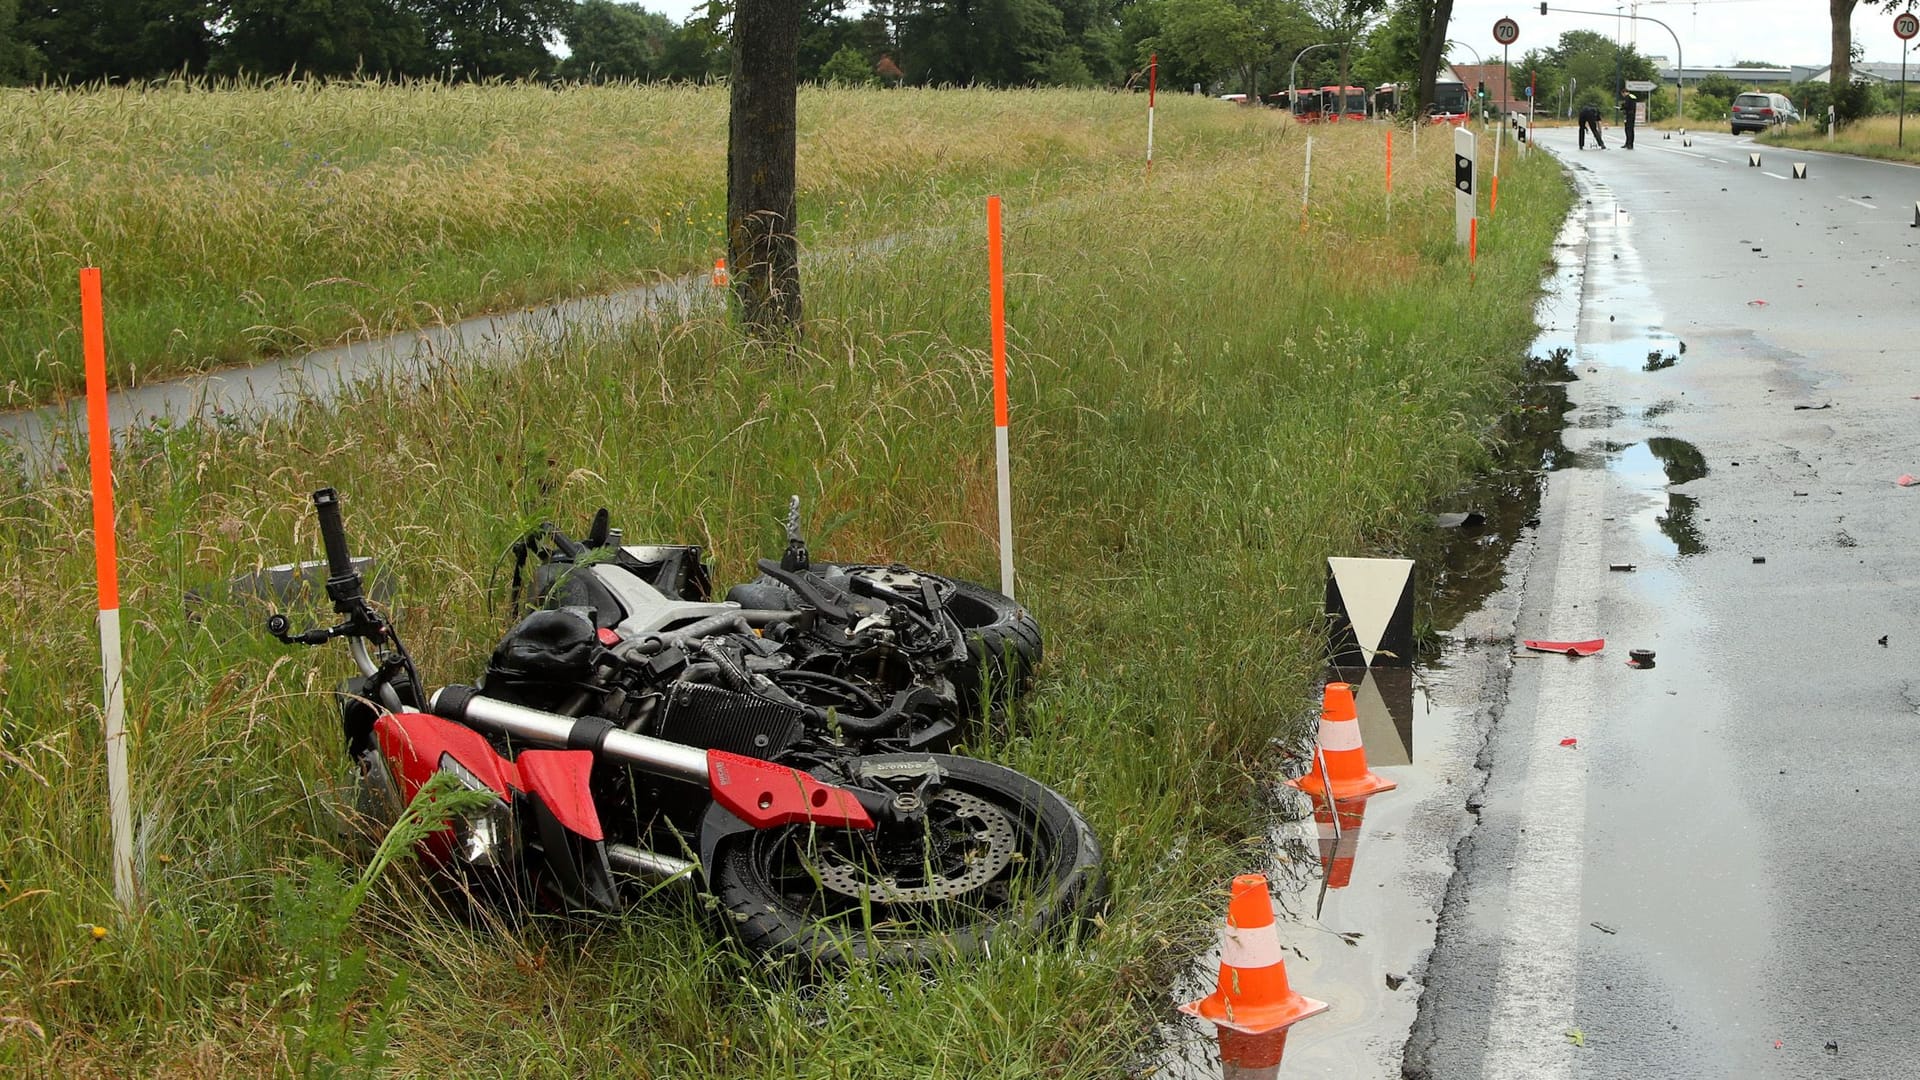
(1858, 202)
(1535, 987)
(1775, 175)
(1688, 153)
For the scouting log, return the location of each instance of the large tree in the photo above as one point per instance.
(762, 142)
(19, 60)
(85, 40)
(608, 40)
(324, 37)
(1841, 11)
(483, 39)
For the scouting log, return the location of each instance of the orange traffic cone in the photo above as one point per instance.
(720, 280)
(1251, 1057)
(1253, 997)
(1339, 847)
(1340, 748)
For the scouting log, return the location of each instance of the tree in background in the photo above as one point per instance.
(607, 40)
(1849, 102)
(848, 67)
(1391, 51)
(85, 40)
(323, 37)
(1342, 22)
(981, 42)
(1433, 17)
(762, 144)
(19, 61)
(484, 39)
(1228, 39)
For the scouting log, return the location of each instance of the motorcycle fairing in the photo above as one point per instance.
(559, 779)
(765, 795)
(414, 742)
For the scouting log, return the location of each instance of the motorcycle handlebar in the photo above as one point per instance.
(326, 504)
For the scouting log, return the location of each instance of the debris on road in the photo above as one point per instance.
(1758, 559)
(1906, 480)
(1621, 567)
(1756, 303)
(1883, 640)
(1570, 648)
(1394, 982)
(1603, 928)
(1469, 519)
(1576, 1037)
(1813, 408)
(1640, 658)
(1570, 741)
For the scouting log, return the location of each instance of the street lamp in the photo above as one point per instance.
(1292, 90)
(1679, 72)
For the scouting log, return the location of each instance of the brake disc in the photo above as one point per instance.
(986, 843)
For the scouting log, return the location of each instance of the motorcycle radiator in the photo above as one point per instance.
(714, 718)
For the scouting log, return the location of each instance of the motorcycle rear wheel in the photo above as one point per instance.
(997, 856)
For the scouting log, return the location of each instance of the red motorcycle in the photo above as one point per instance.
(782, 747)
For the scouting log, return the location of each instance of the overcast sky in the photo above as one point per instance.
(1713, 33)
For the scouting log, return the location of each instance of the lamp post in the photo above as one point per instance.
(1679, 72)
(1292, 90)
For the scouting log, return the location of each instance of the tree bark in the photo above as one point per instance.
(1433, 48)
(1842, 13)
(762, 134)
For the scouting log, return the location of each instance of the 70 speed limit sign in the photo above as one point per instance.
(1905, 25)
(1506, 31)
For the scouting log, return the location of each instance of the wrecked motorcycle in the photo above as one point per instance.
(783, 747)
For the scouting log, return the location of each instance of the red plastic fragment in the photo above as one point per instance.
(1571, 648)
(1906, 480)
(1569, 741)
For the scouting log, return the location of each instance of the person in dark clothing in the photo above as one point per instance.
(1630, 110)
(1590, 121)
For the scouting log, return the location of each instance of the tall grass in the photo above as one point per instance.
(1874, 137)
(1208, 400)
(236, 220)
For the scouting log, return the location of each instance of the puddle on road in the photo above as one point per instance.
(1668, 521)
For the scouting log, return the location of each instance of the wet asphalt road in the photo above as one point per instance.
(1721, 876)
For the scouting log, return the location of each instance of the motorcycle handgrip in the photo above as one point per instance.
(326, 504)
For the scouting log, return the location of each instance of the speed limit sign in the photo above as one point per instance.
(1506, 31)
(1905, 25)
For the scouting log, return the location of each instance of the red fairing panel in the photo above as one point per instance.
(413, 742)
(764, 795)
(559, 779)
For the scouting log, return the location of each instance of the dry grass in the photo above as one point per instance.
(1875, 137)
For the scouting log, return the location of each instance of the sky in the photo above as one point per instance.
(1713, 33)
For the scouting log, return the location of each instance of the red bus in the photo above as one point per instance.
(1307, 106)
(1343, 103)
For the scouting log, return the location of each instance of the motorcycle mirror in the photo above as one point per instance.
(597, 533)
(795, 557)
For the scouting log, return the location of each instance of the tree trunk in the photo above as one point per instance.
(1433, 49)
(1842, 12)
(761, 147)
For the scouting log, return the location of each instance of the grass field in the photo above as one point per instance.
(1208, 399)
(1876, 137)
(236, 222)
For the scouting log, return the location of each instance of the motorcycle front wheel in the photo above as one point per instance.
(976, 854)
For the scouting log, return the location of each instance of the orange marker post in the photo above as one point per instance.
(1493, 199)
(997, 313)
(93, 340)
(1389, 173)
(1473, 245)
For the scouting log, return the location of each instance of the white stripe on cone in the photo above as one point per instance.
(1250, 946)
(1337, 735)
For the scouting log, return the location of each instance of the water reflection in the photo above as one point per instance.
(1653, 466)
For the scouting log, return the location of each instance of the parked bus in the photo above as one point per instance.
(1343, 103)
(1450, 103)
(1307, 106)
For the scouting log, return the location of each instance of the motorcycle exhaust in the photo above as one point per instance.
(649, 867)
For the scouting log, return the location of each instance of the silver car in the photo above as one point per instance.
(1758, 112)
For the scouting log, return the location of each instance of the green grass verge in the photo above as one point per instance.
(1875, 137)
(1208, 400)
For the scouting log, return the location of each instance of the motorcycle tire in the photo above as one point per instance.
(997, 856)
(1003, 646)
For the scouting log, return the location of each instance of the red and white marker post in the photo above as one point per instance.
(997, 313)
(1153, 79)
(1389, 174)
(93, 340)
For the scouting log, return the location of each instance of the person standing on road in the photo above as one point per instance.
(1590, 121)
(1630, 109)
